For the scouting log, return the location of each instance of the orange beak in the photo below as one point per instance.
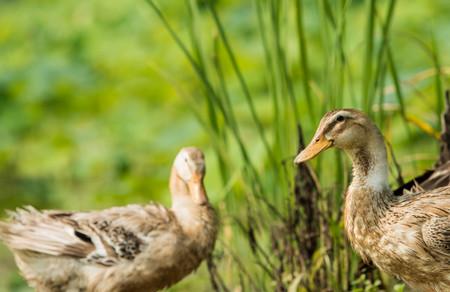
(316, 146)
(197, 190)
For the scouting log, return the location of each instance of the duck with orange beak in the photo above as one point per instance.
(407, 236)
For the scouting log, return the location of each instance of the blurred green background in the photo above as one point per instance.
(96, 98)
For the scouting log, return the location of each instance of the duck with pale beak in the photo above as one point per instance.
(129, 248)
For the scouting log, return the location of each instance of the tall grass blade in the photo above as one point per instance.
(439, 93)
(368, 63)
(396, 80)
(272, 78)
(303, 54)
(381, 56)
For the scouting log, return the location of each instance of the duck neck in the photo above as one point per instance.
(178, 188)
(370, 167)
(191, 215)
(368, 196)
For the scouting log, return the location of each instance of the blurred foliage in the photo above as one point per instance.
(96, 98)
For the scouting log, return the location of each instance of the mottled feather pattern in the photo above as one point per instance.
(406, 236)
(123, 230)
(436, 235)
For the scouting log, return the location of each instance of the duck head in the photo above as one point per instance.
(188, 174)
(347, 129)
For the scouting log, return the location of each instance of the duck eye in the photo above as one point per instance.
(340, 118)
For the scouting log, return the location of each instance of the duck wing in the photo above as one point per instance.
(428, 181)
(436, 236)
(105, 237)
(439, 177)
(430, 211)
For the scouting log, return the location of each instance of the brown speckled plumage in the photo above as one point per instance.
(130, 248)
(407, 236)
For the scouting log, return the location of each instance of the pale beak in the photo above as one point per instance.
(197, 190)
(316, 146)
